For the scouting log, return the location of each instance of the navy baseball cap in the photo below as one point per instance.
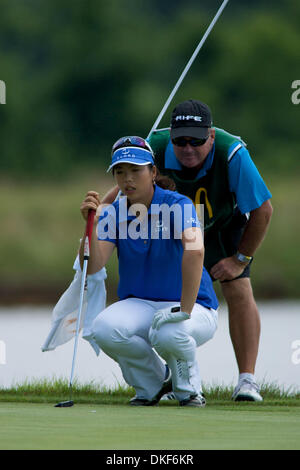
(192, 118)
(131, 149)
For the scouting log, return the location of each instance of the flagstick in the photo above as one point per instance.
(188, 66)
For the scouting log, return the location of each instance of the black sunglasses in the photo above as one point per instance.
(182, 142)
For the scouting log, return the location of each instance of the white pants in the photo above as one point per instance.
(123, 331)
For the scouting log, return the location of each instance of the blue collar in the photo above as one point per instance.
(172, 163)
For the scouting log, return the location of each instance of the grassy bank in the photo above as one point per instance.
(57, 389)
(41, 227)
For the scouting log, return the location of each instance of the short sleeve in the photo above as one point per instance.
(246, 182)
(107, 229)
(185, 217)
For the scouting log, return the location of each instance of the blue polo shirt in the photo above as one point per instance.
(245, 180)
(150, 258)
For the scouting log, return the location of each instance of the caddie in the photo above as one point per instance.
(213, 167)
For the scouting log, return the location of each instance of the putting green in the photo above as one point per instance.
(41, 426)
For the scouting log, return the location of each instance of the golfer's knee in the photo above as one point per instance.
(169, 339)
(106, 334)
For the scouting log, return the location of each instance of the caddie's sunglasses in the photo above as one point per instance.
(131, 141)
(182, 142)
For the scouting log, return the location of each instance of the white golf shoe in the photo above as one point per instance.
(246, 390)
(194, 400)
(168, 397)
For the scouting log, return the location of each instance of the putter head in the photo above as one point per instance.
(64, 404)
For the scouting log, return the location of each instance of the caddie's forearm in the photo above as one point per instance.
(95, 258)
(256, 229)
(110, 196)
(192, 265)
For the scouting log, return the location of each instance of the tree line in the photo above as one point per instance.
(80, 74)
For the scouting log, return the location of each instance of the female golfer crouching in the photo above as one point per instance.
(167, 305)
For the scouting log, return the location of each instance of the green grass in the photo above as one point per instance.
(239, 426)
(102, 419)
(57, 389)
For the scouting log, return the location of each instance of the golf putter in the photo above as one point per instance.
(87, 242)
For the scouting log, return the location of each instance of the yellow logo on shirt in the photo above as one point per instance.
(207, 203)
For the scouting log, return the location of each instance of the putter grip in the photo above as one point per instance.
(90, 224)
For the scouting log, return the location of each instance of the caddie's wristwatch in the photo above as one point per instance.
(243, 258)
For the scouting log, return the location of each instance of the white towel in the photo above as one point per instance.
(65, 312)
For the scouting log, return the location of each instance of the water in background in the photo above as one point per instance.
(23, 331)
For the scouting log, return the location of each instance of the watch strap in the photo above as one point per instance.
(243, 258)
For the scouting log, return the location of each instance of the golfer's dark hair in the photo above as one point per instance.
(164, 181)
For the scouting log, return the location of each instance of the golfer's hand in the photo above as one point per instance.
(166, 315)
(227, 269)
(92, 201)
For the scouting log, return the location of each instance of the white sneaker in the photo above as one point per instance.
(168, 396)
(246, 390)
(194, 400)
